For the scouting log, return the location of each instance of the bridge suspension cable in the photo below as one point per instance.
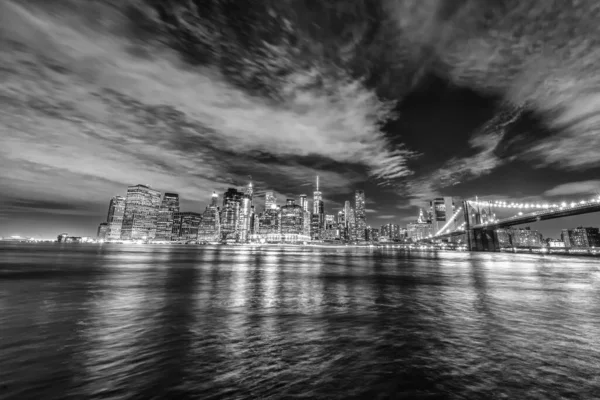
(537, 205)
(449, 221)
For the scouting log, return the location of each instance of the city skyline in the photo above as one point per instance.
(126, 105)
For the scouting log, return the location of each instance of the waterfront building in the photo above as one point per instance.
(330, 221)
(116, 210)
(230, 214)
(245, 215)
(316, 226)
(185, 226)
(268, 221)
(392, 232)
(291, 218)
(102, 231)
(164, 223)
(352, 236)
(525, 237)
(306, 223)
(372, 234)
(62, 238)
(419, 230)
(141, 212)
(210, 225)
(360, 215)
(504, 238)
(581, 237)
(270, 200)
(555, 243)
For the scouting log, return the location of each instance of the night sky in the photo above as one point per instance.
(406, 99)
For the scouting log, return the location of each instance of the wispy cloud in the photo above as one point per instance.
(575, 188)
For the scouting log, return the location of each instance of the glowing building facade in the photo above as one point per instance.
(116, 210)
(210, 225)
(164, 223)
(359, 215)
(102, 231)
(419, 230)
(230, 214)
(291, 218)
(270, 200)
(186, 226)
(141, 213)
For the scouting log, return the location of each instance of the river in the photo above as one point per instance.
(105, 321)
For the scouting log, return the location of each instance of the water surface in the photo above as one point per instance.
(151, 322)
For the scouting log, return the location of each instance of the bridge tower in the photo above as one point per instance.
(478, 239)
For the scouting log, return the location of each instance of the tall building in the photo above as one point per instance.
(141, 212)
(245, 215)
(291, 218)
(316, 226)
(116, 209)
(230, 214)
(268, 221)
(581, 237)
(210, 225)
(164, 223)
(421, 229)
(372, 234)
(186, 226)
(441, 211)
(304, 202)
(102, 231)
(270, 200)
(359, 215)
(352, 236)
(318, 200)
(341, 223)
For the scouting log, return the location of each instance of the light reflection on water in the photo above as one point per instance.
(116, 322)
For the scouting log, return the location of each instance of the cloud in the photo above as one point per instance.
(385, 216)
(575, 188)
(370, 211)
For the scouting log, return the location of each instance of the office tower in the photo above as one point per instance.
(330, 221)
(210, 225)
(268, 222)
(346, 211)
(317, 200)
(421, 229)
(306, 223)
(164, 223)
(291, 218)
(525, 237)
(245, 216)
(316, 226)
(372, 234)
(581, 237)
(359, 214)
(186, 226)
(116, 209)
(102, 231)
(141, 212)
(270, 200)
(255, 223)
(341, 223)
(304, 202)
(352, 234)
(230, 214)
(441, 211)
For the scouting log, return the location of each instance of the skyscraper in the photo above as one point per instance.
(245, 217)
(292, 220)
(318, 200)
(164, 223)
(102, 231)
(304, 202)
(210, 226)
(116, 209)
(141, 212)
(186, 226)
(270, 200)
(359, 214)
(230, 214)
(421, 229)
(352, 225)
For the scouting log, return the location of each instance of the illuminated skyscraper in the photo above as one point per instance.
(230, 214)
(359, 215)
(268, 221)
(292, 218)
(352, 236)
(270, 200)
(318, 200)
(245, 217)
(141, 212)
(102, 231)
(185, 226)
(421, 229)
(304, 202)
(116, 209)
(210, 226)
(164, 224)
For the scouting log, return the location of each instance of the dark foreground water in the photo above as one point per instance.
(151, 322)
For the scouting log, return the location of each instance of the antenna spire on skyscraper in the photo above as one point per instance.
(317, 183)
